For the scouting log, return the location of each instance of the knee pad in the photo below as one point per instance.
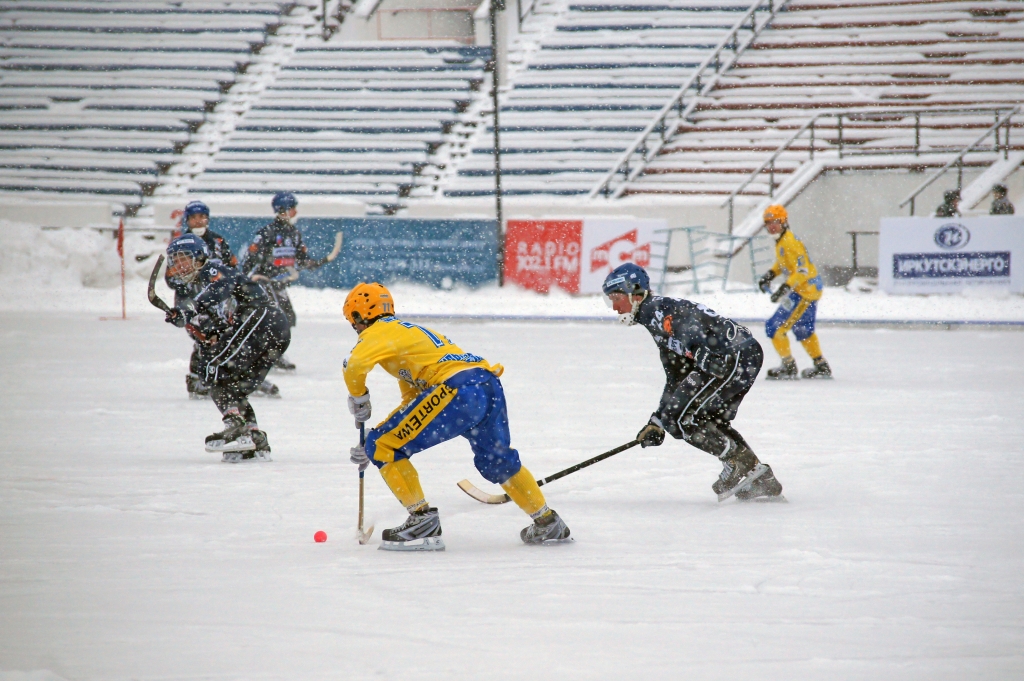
(709, 439)
(497, 465)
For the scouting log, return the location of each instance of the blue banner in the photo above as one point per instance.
(440, 253)
(945, 265)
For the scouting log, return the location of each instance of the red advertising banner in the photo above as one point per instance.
(540, 254)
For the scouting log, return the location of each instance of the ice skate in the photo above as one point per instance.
(738, 472)
(236, 437)
(821, 369)
(267, 389)
(548, 529)
(421, 531)
(283, 364)
(786, 372)
(764, 488)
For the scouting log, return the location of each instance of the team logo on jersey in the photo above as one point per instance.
(667, 324)
(952, 235)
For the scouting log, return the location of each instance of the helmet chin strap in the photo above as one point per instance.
(629, 319)
(198, 231)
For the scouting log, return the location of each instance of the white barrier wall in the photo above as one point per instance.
(947, 255)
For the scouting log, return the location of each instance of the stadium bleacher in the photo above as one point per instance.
(98, 96)
(590, 78)
(913, 69)
(351, 119)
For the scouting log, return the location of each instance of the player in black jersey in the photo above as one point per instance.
(276, 255)
(196, 220)
(710, 363)
(244, 334)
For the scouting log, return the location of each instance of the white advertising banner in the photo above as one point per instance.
(947, 255)
(610, 242)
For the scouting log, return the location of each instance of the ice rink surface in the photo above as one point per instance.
(127, 552)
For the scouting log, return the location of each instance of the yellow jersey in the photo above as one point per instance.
(792, 260)
(418, 357)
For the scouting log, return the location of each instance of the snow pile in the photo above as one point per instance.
(79, 270)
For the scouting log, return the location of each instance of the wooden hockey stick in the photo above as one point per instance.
(485, 498)
(338, 239)
(361, 535)
(153, 297)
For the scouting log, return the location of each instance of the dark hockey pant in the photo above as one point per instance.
(240, 361)
(699, 408)
(279, 294)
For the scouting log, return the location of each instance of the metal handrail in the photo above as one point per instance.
(851, 114)
(994, 128)
(713, 60)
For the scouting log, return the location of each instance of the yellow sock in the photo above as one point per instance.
(526, 493)
(781, 343)
(404, 482)
(812, 346)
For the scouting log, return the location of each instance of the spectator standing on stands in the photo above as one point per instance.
(1000, 204)
(950, 207)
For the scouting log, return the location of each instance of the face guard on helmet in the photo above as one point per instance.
(197, 227)
(368, 302)
(186, 255)
(630, 280)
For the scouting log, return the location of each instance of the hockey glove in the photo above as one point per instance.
(357, 455)
(176, 317)
(360, 408)
(783, 291)
(651, 435)
(709, 362)
(765, 282)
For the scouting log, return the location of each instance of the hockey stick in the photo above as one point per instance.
(153, 297)
(485, 498)
(338, 238)
(362, 536)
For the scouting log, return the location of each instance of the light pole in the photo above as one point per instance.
(495, 7)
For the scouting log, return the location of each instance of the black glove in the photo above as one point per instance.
(709, 362)
(764, 283)
(783, 291)
(651, 435)
(175, 316)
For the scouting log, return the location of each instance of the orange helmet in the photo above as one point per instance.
(366, 302)
(775, 212)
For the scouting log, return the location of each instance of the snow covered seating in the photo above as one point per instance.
(909, 71)
(353, 119)
(586, 87)
(96, 96)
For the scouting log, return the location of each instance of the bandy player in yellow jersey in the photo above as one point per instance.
(445, 393)
(799, 294)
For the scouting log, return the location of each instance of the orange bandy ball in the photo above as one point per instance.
(320, 536)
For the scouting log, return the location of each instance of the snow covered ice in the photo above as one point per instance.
(127, 552)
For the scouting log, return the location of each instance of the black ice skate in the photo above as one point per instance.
(821, 370)
(738, 473)
(259, 455)
(421, 531)
(236, 437)
(764, 488)
(786, 372)
(283, 364)
(268, 389)
(548, 529)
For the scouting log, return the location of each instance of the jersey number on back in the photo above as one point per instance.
(438, 343)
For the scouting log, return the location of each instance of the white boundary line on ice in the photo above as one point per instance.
(930, 323)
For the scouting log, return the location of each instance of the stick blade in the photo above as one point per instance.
(481, 496)
(364, 537)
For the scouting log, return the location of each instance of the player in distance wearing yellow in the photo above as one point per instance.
(799, 294)
(446, 392)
